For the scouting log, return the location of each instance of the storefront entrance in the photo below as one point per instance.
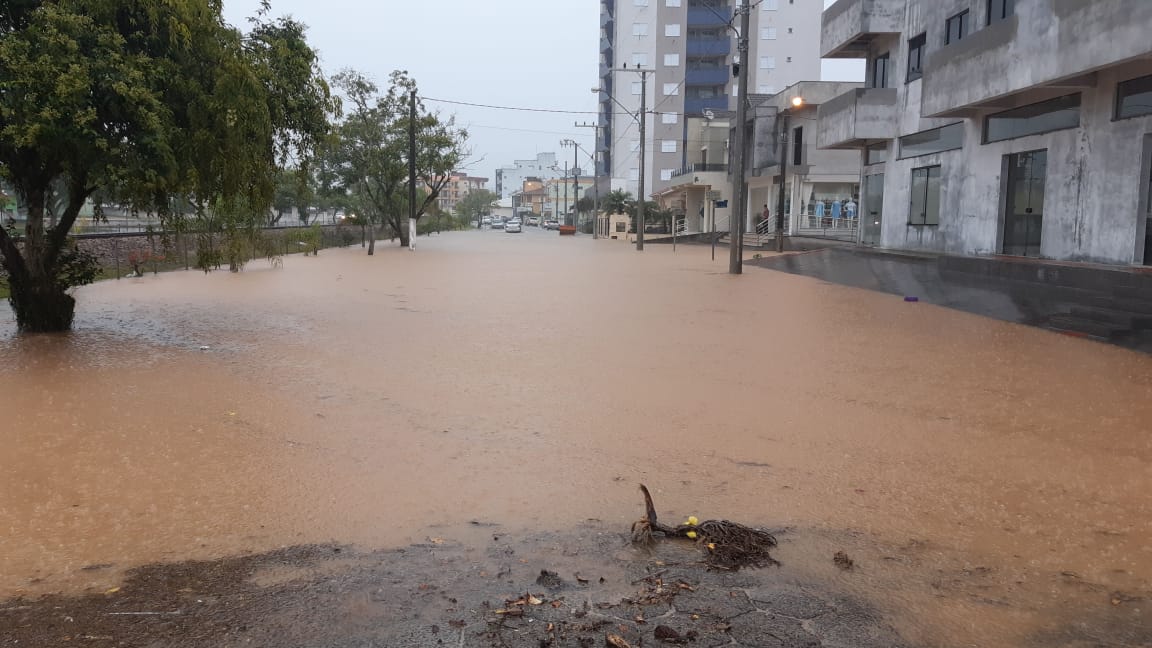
(873, 211)
(1024, 207)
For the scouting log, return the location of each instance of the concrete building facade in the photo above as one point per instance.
(1017, 127)
(458, 186)
(688, 48)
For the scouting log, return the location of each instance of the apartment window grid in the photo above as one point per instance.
(640, 59)
(767, 33)
(925, 207)
(667, 146)
(916, 51)
(770, 5)
(666, 174)
(669, 118)
(671, 60)
(672, 30)
(640, 30)
(672, 3)
(767, 63)
(640, 3)
(637, 88)
(956, 27)
(671, 89)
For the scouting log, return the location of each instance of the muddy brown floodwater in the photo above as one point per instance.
(991, 481)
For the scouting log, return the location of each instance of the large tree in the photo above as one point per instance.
(371, 153)
(476, 204)
(156, 101)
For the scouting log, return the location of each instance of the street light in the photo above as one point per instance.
(797, 102)
(640, 218)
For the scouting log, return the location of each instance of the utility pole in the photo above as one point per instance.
(739, 189)
(565, 183)
(595, 180)
(576, 184)
(412, 172)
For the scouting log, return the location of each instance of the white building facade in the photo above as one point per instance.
(688, 48)
(1015, 127)
(510, 179)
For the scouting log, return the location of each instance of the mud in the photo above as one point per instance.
(989, 481)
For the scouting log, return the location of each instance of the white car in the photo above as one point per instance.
(497, 223)
(513, 227)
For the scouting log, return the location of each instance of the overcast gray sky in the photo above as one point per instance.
(529, 53)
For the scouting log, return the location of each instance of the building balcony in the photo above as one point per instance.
(697, 106)
(849, 26)
(709, 16)
(708, 46)
(700, 167)
(1012, 61)
(706, 76)
(856, 118)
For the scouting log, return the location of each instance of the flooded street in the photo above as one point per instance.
(990, 480)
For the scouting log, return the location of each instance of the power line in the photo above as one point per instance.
(551, 110)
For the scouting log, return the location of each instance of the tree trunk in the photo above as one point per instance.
(41, 306)
(372, 241)
(402, 231)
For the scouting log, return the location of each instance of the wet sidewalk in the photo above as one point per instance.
(1102, 303)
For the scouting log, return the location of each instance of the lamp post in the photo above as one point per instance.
(796, 102)
(640, 199)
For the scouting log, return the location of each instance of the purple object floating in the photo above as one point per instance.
(911, 299)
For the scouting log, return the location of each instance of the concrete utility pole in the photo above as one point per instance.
(412, 172)
(739, 189)
(595, 180)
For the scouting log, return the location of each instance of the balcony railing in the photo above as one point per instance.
(708, 46)
(697, 106)
(709, 16)
(712, 76)
(700, 167)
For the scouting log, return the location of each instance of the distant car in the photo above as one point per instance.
(534, 221)
(513, 227)
(551, 224)
(497, 223)
(486, 221)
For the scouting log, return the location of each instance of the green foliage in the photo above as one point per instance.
(151, 101)
(617, 201)
(476, 203)
(367, 162)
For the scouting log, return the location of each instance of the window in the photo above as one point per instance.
(620, 225)
(999, 10)
(789, 30)
(639, 59)
(1134, 98)
(880, 67)
(639, 29)
(925, 196)
(770, 5)
(768, 33)
(956, 27)
(671, 89)
(767, 62)
(633, 174)
(666, 174)
(916, 48)
(640, 3)
(945, 138)
(637, 88)
(667, 146)
(671, 60)
(876, 153)
(672, 30)
(1043, 117)
(672, 3)
(634, 145)
(735, 89)
(766, 90)
(798, 146)
(669, 118)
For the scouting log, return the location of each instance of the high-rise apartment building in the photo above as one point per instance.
(510, 179)
(689, 47)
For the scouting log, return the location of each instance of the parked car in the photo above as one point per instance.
(486, 221)
(497, 223)
(551, 224)
(533, 221)
(513, 227)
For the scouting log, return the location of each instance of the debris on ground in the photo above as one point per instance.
(726, 545)
(550, 579)
(843, 561)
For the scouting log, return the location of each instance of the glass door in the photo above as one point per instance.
(1148, 204)
(1024, 209)
(872, 214)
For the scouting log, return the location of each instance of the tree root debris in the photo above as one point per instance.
(726, 545)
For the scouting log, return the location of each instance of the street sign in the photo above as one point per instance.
(721, 204)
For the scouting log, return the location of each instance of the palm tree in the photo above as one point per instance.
(617, 202)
